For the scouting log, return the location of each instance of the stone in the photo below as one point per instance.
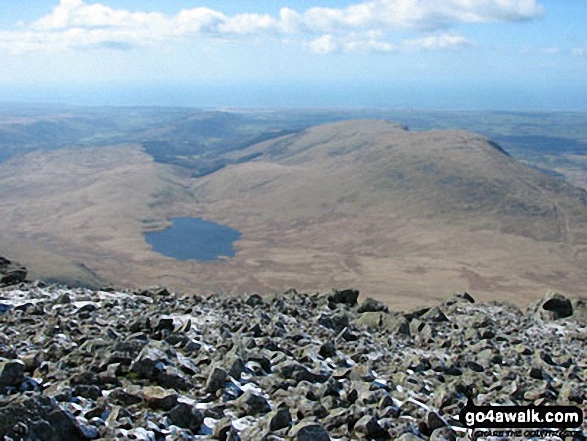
(63, 299)
(408, 436)
(346, 296)
(279, 419)
(339, 417)
(337, 322)
(90, 432)
(369, 428)
(237, 367)
(224, 431)
(41, 419)
(369, 381)
(88, 378)
(536, 373)
(11, 372)
(150, 362)
(120, 396)
(474, 366)
(443, 434)
(466, 296)
(154, 291)
(416, 326)
(297, 372)
(306, 431)
(327, 350)
(553, 306)
(91, 392)
(309, 408)
(393, 323)
(186, 416)
(32, 360)
(12, 276)
(164, 324)
(216, 380)
(253, 404)
(264, 362)
(372, 305)
(434, 314)
(254, 300)
(580, 310)
(560, 307)
(158, 398)
(435, 421)
(173, 378)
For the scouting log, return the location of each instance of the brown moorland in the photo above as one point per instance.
(406, 217)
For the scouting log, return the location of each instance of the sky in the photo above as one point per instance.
(449, 54)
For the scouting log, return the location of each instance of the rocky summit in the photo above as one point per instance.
(81, 364)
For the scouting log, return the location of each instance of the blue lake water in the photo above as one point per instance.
(194, 238)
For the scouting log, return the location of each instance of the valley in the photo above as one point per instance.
(406, 216)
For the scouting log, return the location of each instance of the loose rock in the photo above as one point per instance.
(85, 364)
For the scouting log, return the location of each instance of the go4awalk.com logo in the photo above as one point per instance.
(517, 418)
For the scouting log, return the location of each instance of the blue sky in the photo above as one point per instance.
(484, 54)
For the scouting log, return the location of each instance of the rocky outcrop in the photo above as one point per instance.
(154, 365)
(11, 273)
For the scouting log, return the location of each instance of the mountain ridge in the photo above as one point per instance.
(372, 172)
(481, 175)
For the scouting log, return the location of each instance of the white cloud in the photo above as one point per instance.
(438, 41)
(76, 13)
(76, 23)
(194, 21)
(361, 15)
(420, 14)
(290, 21)
(247, 24)
(370, 46)
(323, 45)
(555, 50)
(372, 42)
(552, 50)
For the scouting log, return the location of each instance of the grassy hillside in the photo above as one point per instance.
(407, 216)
